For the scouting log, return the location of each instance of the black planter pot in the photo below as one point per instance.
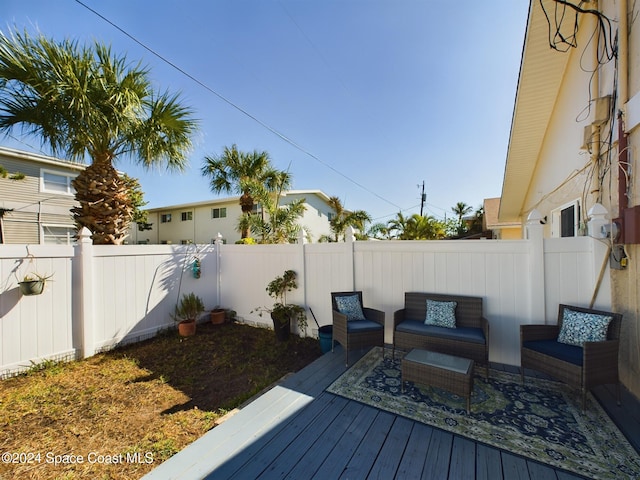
(282, 328)
(31, 287)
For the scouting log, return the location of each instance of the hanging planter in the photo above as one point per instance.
(33, 284)
(31, 287)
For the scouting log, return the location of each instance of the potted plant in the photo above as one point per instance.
(186, 313)
(230, 315)
(283, 313)
(218, 315)
(33, 284)
(221, 315)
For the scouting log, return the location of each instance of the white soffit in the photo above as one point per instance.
(541, 73)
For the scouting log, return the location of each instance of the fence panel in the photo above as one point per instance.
(135, 288)
(138, 287)
(494, 270)
(245, 271)
(37, 327)
(572, 270)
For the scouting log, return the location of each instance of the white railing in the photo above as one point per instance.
(101, 296)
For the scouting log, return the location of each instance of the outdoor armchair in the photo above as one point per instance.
(355, 326)
(544, 348)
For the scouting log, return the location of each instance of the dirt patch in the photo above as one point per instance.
(119, 414)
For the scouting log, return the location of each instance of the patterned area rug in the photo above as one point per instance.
(541, 420)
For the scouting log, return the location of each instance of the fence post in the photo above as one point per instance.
(534, 233)
(218, 246)
(84, 287)
(349, 241)
(302, 276)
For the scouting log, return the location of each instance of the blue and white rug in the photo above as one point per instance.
(541, 420)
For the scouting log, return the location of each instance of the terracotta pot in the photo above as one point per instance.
(217, 316)
(187, 328)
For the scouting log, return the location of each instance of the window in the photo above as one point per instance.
(218, 213)
(565, 221)
(58, 235)
(165, 218)
(186, 216)
(56, 182)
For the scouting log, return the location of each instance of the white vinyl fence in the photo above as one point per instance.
(101, 296)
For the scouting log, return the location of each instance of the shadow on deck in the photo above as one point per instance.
(297, 430)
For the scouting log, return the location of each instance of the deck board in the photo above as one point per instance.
(340, 455)
(438, 455)
(463, 454)
(298, 430)
(488, 463)
(386, 463)
(307, 464)
(360, 464)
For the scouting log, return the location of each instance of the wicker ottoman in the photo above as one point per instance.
(450, 373)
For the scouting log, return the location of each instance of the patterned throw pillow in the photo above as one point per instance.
(580, 327)
(441, 314)
(350, 306)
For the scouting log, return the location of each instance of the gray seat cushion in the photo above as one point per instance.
(561, 351)
(464, 334)
(356, 326)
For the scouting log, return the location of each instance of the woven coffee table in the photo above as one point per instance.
(450, 373)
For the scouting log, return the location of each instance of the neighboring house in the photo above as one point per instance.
(36, 209)
(575, 141)
(201, 222)
(499, 230)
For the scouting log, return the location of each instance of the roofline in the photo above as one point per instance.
(36, 157)
(236, 198)
(539, 81)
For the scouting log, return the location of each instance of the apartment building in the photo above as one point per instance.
(201, 222)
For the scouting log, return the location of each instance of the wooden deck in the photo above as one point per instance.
(297, 430)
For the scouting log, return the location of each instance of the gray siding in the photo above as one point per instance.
(30, 206)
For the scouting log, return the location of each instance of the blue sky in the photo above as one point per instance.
(368, 98)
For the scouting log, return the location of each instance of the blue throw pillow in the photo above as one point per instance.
(441, 314)
(350, 306)
(580, 327)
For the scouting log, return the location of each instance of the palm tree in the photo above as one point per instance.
(398, 226)
(416, 227)
(461, 209)
(85, 101)
(345, 218)
(380, 231)
(248, 174)
(280, 225)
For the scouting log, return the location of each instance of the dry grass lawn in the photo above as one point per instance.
(119, 414)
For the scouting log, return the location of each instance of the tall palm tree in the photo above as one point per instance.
(345, 218)
(248, 174)
(85, 101)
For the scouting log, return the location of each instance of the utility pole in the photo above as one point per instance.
(423, 198)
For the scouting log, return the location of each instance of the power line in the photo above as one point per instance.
(237, 107)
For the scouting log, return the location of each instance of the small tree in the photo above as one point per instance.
(278, 223)
(344, 218)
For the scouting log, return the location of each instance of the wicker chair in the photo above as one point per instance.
(356, 334)
(595, 363)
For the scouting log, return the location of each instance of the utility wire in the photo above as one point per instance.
(237, 107)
